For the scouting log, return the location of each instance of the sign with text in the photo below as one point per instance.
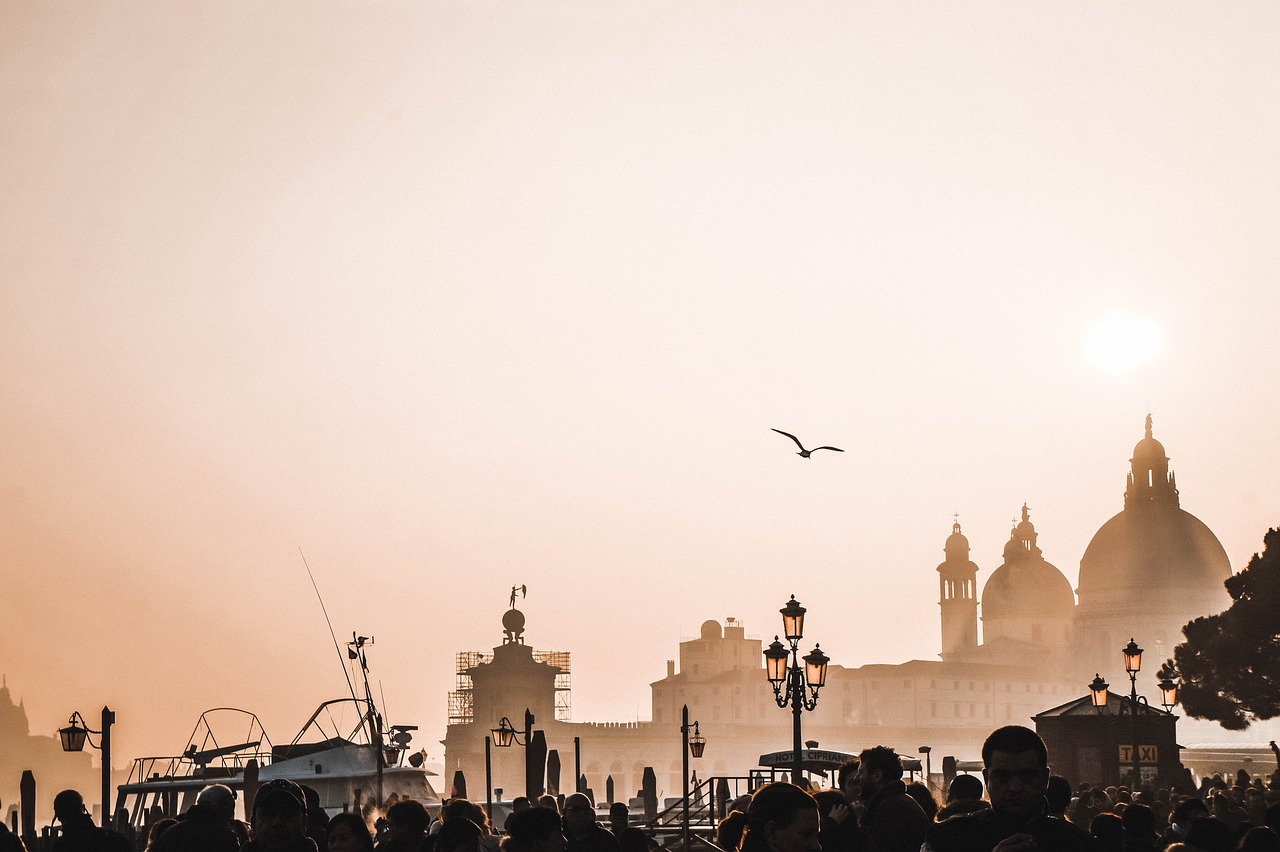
(1146, 754)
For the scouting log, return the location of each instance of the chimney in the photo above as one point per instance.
(671, 668)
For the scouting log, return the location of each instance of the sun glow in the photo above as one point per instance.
(1120, 342)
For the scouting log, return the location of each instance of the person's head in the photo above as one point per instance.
(877, 767)
(579, 816)
(279, 814)
(68, 806)
(347, 832)
(407, 818)
(1139, 823)
(1108, 832)
(536, 830)
(924, 798)
(458, 834)
(218, 799)
(158, 828)
(828, 799)
(520, 803)
(781, 818)
(1016, 769)
(729, 830)
(1187, 811)
(634, 840)
(619, 817)
(845, 776)
(1058, 794)
(965, 788)
(1209, 834)
(548, 802)
(457, 808)
(1259, 839)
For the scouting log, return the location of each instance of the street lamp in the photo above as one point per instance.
(506, 734)
(693, 746)
(1132, 666)
(76, 734)
(792, 685)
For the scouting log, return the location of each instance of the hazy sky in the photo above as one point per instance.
(455, 296)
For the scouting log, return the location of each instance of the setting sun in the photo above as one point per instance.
(1121, 342)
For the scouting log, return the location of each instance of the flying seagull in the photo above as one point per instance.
(804, 454)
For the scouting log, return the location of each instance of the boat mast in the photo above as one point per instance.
(355, 651)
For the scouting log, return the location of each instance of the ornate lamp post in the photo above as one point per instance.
(1168, 698)
(693, 747)
(74, 737)
(792, 685)
(506, 734)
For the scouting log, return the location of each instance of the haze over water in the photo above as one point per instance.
(456, 296)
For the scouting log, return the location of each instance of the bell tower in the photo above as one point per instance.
(958, 596)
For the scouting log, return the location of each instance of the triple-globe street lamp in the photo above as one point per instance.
(1168, 698)
(793, 685)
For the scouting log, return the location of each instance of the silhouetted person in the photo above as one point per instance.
(838, 829)
(781, 818)
(892, 820)
(924, 798)
(1057, 796)
(1139, 828)
(280, 819)
(157, 830)
(1184, 814)
(1209, 834)
(619, 819)
(1259, 839)
(729, 830)
(582, 831)
(317, 819)
(348, 833)
(1016, 769)
(79, 834)
(458, 834)
(206, 827)
(964, 796)
(1108, 832)
(635, 840)
(407, 822)
(518, 805)
(534, 830)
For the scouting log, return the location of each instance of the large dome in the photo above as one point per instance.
(1153, 544)
(1154, 547)
(1026, 586)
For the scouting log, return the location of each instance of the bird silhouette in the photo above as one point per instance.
(804, 454)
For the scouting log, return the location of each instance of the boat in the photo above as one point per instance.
(343, 752)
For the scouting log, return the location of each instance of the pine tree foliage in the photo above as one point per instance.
(1230, 662)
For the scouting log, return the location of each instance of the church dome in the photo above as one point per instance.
(957, 544)
(1026, 586)
(1153, 543)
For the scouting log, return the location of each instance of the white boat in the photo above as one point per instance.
(343, 752)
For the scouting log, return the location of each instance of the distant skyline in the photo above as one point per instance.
(455, 296)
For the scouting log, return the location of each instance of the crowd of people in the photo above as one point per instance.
(1017, 806)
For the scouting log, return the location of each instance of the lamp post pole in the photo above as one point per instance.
(689, 746)
(108, 719)
(528, 753)
(488, 777)
(792, 685)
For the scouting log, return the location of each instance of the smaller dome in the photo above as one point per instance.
(711, 630)
(1026, 586)
(957, 543)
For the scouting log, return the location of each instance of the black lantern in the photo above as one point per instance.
(1098, 692)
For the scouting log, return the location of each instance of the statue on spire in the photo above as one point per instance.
(1148, 424)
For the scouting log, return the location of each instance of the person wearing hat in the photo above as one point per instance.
(206, 827)
(280, 819)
